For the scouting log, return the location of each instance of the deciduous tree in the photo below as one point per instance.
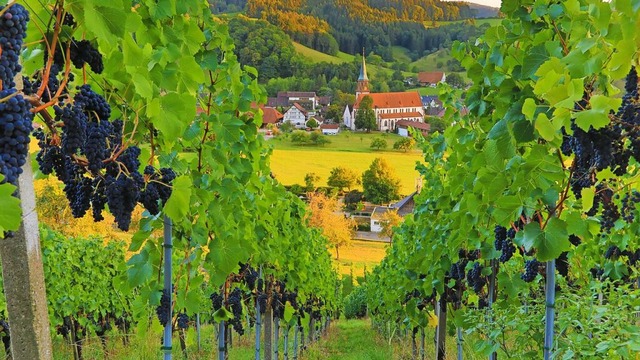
(342, 177)
(379, 183)
(365, 116)
(378, 143)
(326, 215)
(405, 144)
(390, 219)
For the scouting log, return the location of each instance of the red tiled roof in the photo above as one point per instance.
(430, 77)
(270, 115)
(412, 114)
(299, 107)
(329, 126)
(392, 100)
(413, 124)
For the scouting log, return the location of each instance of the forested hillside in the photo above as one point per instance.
(348, 26)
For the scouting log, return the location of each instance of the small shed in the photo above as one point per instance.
(330, 129)
(404, 125)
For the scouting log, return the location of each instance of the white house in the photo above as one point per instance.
(297, 115)
(376, 217)
(330, 129)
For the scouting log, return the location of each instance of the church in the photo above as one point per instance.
(389, 107)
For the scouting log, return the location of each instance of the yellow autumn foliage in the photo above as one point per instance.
(326, 215)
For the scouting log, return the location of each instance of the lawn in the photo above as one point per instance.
(426, 90)
(347, 141)
(360, 255)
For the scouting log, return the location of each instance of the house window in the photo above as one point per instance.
(385, 123)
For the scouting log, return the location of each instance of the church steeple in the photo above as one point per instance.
(363, 79)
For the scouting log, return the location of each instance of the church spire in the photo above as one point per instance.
(363, 80)
(363, 69)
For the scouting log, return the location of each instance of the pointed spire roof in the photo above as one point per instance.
(363, 69)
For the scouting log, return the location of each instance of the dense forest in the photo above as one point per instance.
(270, 50)
(348, 26)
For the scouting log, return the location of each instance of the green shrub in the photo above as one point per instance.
(355, 304)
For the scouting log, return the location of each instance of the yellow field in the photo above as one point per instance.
(290, 166)
(358, 255)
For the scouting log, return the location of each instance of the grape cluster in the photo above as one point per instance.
(249, 275)
(278, 299)
(629, 202)
(15, 127)
(94, 167)
(458, 269)
(504, 242)
(475, 279)
(609, 147)
(613, 252)
(531, 269)
(13, 30)
(164, 309)
(291, 297)
(562, 264)
(183, 321)
(235, 302)
(81, 52)
(216, 301)
(573, 239)
(262, 302)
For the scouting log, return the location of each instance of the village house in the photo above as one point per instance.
(308, 99)
(431, 78)
(389, 107)
(403, 207)
(270, 116)
(297, 116)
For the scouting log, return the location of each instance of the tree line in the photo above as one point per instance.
(349, 26)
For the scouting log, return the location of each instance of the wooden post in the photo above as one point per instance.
(23, 276)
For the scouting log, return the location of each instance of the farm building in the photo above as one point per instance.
(404, 125)
(330, 129)
(431, 78)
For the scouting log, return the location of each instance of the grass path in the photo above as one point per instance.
(350, 340)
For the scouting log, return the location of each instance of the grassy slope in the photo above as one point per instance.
(317, 56)
(290, 163)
